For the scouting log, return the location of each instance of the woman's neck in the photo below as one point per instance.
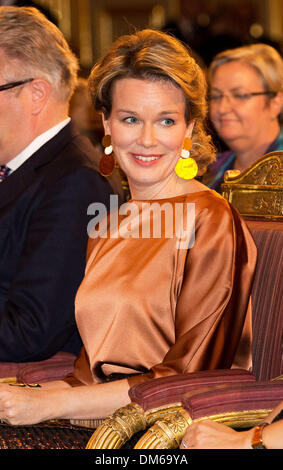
(174, 187)
(247, 156)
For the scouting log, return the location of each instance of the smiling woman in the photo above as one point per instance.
(147, 125)
(150, 306)
(245, 103)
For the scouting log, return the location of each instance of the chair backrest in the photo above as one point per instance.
(267, 303)
(258, 191)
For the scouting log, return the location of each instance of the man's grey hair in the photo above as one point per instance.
(35, 48)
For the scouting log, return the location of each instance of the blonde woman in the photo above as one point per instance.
(245, 101)
(150, 306)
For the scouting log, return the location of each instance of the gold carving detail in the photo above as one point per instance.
(118, 428)
(271, 204)
(266, 174)
(258, 191)
(155, 414)
(166, 433)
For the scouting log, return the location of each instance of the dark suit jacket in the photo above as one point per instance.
(43, 240)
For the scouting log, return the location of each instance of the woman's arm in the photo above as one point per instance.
(57, 400)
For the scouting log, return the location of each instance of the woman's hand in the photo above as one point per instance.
(53, 400)
(23, 405)
(208, 434)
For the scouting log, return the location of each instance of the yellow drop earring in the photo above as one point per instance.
(186, 167)
(107, 162)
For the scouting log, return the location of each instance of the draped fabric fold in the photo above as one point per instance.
(151, 307)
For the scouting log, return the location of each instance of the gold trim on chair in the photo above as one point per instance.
(168, 433)
(258, 191)
(118, 428)
(8, 380)
(166, 426)
(155, 414)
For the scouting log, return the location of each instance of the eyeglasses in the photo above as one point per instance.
(237, 98)
(7, 86)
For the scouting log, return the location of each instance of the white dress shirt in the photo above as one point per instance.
(38, 142)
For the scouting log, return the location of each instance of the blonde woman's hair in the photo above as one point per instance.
(35, 48)
(264, 59)
(153, 55)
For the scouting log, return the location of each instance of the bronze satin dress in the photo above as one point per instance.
(148, 308)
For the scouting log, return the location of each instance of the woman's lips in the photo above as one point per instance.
(146, 160)
(224, 122)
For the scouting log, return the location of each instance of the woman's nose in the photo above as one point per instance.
(147, 137)
(224, 104)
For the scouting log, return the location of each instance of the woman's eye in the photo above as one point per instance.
(167, 122)
(241, 96)
(215, 98)
(130, 120)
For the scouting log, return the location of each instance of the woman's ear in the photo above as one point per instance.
(40, 90)
(277, 104)
(106, 125)
(190, 129)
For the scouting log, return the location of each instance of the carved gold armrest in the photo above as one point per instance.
(166, 433)
(238, 406)
(118, 428)
(154, 401)
(122, 425)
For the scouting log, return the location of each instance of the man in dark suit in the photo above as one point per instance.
(44, 199)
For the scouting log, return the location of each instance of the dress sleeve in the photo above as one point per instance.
(81, 374)
(214, 295)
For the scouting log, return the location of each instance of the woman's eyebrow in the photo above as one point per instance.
(169, 111)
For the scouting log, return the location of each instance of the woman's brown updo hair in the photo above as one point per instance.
(153, 55)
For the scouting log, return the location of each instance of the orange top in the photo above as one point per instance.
(150, 307)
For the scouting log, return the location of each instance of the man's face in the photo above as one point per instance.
(15, 107)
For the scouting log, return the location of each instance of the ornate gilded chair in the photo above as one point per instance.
(161, 409)
(160, 400)
(164, 408)
(258, 191)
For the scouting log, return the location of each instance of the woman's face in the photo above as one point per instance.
(147, 126)
(238, 119)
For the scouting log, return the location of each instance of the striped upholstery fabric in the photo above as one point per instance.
(236, 398)
(156, 393)
(54, 368)
(267, 300)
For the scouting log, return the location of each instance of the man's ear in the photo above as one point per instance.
(41, 91)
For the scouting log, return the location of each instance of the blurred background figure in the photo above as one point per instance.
(210, 27)
(245, 101)
(83, 114)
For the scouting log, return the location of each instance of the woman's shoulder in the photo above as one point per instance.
(209, 203)
(201, 192)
